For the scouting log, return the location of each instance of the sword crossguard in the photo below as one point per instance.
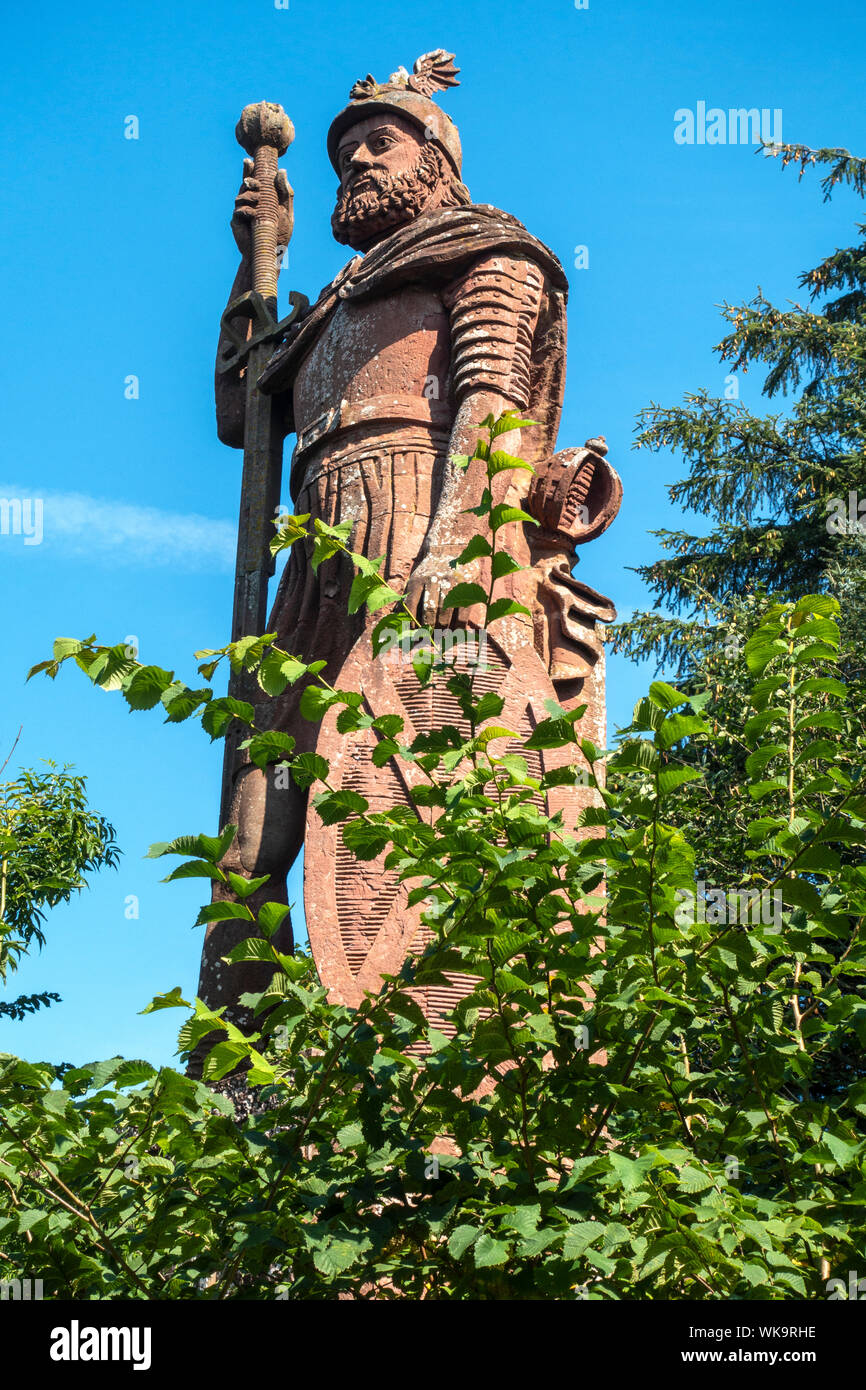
(251, 308)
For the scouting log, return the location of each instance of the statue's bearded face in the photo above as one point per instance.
(388, 174)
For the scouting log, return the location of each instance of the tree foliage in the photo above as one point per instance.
(776, 489)
(50, 840)
(632, 1103)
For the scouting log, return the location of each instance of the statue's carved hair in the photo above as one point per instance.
(453, 193)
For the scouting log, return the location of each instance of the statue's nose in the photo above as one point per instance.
(361, 159)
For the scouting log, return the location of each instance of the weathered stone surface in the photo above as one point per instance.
(450, 311)
(358, 918)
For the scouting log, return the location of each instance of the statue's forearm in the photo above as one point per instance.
(230, 387)
(463, 488)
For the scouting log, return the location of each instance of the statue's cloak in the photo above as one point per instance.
(436, 248)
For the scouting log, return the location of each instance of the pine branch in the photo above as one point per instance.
(844, 166)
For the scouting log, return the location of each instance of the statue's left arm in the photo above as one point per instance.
(494, 310)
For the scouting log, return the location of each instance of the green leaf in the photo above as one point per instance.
(196, 868)
(269, 747)
(336, 1257)
(630, 1172)
(218, 714)
(146, 687)
(489, 1252)
(371, 591)
(460, 1240)
(672, 777)
(503, 608)
(504, 564)
(488, 734)
(396, 623)
(308, 768)
(225, 1057)
(315, 701)
(339, 805)
(489, 706)
(463, 596)
(67, 646)
(173, 1000)
(677, 727)
(508, 421)
(503, 515)
(694, 1180)
(476, 549)
(184, 702)
(551, 733)
(364, 840)
(580, 1235)
(351, 1136)
(501, 462)
(666, 696)
(389, 724)
(270, 916)
(278, 671)
(244, 888)
(223, 912)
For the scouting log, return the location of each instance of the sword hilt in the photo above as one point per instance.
(265, 132)
(247, 322)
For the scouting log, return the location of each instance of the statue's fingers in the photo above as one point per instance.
(285, 192)
(248, 169)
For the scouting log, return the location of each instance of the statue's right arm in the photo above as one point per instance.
(230, 387)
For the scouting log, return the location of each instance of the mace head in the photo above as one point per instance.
(264, 123)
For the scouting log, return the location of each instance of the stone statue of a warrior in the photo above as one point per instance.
(449, 311)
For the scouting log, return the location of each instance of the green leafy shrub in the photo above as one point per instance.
(632, 1104)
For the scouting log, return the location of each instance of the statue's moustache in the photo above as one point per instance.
(371, 178)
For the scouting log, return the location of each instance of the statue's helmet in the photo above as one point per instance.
(407, 96)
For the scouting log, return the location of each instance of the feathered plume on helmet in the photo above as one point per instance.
(408, 95)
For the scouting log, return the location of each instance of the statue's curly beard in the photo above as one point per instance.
(386, 200)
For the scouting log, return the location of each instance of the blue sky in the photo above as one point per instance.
(118, 259)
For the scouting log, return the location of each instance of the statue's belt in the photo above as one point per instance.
(398, 410)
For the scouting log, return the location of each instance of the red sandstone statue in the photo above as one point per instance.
(449, 311)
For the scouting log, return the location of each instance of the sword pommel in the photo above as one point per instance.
(264, 123)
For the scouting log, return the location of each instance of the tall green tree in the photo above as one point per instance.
(781, 490)
(779, 494)
(50, 840)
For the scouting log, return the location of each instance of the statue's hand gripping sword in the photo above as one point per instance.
(250, 330)
(250, 325)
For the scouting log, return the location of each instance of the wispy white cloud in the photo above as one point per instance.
(94, 528)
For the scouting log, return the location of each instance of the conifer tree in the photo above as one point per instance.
(782, 490)
(782, 493)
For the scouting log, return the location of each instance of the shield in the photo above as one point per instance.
(359, 921)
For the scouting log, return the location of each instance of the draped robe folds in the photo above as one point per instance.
(367, 380)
